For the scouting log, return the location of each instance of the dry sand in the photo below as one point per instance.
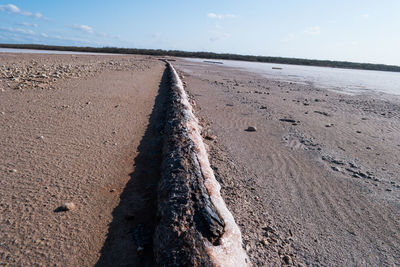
(318, 183)
(70, 129)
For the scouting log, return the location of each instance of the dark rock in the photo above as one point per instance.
(322, 113)
(288, 120)
(337, 161)
(251, 129)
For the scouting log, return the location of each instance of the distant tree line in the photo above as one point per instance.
(209, 55)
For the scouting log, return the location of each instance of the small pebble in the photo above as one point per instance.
(211, 137)
(251, 129)
(13, 170)
(335, 168)
(287, 260)
(68, 206)
(265, 242)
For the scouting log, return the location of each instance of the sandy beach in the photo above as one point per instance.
(315, 183)
(71, 127)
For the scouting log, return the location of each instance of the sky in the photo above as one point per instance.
(346, 30)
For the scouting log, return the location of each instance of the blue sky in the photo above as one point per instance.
(352, 30)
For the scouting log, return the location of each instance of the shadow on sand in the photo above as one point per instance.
(129, 240)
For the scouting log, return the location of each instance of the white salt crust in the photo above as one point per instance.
(230, 251)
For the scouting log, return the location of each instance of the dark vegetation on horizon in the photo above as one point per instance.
(209, 55)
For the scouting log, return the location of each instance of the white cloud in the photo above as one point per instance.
(365, 16)
(10, 8)
(312, 30)
(44, 35)
(17, 30)
(84, 28)
(28, 24)
(221, 16)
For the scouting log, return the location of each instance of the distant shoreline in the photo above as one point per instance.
(209, 55)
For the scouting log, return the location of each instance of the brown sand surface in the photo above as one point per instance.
(70, 129)
(318, 183)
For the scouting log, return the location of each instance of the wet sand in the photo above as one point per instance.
(71, 129)
(318, 183)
